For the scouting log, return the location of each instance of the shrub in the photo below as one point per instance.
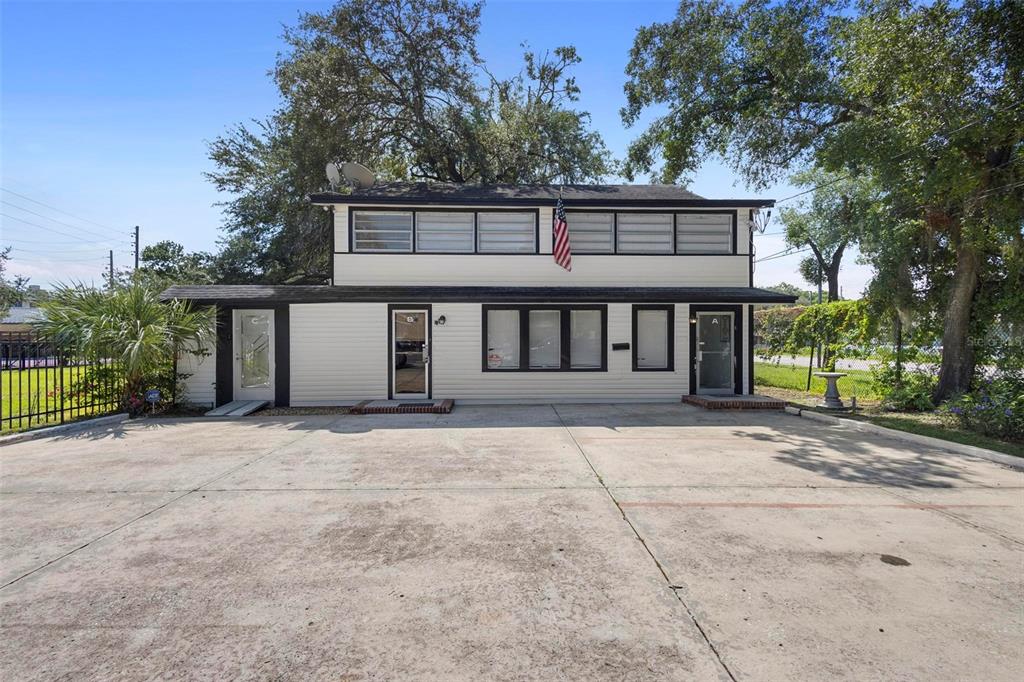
(910, 389)
(995, 406)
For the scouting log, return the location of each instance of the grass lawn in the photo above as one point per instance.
(857, 383)
(28, 391)
(788, 384)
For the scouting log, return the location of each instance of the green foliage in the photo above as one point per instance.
(995, 406)
(803, 296)
(131, 326)
(836, 213)
(166, 263)
(904, 386)
(839, 326)
(923, 99)
(397, 85)
(773, 328)
(11, 290)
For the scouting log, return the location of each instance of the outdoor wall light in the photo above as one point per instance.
(693, 320)
(440, 321)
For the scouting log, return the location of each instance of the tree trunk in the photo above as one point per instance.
(957, 368)
(833, 272)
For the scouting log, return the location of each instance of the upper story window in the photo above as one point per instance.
(515, 232)
(591, 232)
(438, 232)
(704, 232)
(506, 232)
(644, 233)
(382, 231)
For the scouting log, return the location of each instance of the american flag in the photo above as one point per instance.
(562, 252)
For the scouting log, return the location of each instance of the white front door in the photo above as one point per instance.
(716, 362)
(410, 354)
(253, 341)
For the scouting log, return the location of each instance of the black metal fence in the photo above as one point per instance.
(43, 382)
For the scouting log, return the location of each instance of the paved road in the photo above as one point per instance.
(579, 542)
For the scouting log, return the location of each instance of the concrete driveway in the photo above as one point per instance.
(582, 542)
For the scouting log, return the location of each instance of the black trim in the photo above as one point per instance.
(737, 343)
(565, 338)
(412, 307)
(415, 221)
(334, 248)
(750, 248)
(671, 331)
(282, 356)
(224, 370)
(675, 213)
(255, 296)
(750, 349)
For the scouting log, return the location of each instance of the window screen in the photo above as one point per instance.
(585, 339)
(502, 339)
(590, 232)
(644, 233)
(652, 339)
(545, 339)
(444, 232)
(382, 231)
(704, 233)
(506, 232)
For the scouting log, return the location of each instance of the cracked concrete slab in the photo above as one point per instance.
(790, 583)
(481, 543)
(36, 528)
(436, 585)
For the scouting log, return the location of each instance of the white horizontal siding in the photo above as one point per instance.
(199, 377)
(539, 270)
(458, 374)
(339, 353)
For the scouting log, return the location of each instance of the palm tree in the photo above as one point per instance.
(130, 325)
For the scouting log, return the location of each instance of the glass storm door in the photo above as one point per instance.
(410, 354)
(715, 359)
(253, 341)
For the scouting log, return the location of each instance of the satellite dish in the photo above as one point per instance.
(333, 174)
(358, 175)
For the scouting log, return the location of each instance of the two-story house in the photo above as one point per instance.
(451, 291)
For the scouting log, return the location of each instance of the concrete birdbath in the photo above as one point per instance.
(832, 400)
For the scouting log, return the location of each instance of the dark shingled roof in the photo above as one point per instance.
(529, 195)
(253, 294)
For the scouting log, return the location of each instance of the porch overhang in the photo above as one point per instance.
(236, 295)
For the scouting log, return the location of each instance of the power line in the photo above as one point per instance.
(782, 254)
(52, 229)
(46, 217)
(54, 208)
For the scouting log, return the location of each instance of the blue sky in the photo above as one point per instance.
(105, 110)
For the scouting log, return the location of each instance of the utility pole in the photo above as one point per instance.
(110, 280)
(137, 250)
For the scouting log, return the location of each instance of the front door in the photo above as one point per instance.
(715, 358)
(410, 353)
(253, 341)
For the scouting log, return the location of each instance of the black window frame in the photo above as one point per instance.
(565, 337)
(675, 213)
(670, 330)
(440, 209)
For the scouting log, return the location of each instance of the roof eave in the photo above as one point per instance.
(329, 198)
